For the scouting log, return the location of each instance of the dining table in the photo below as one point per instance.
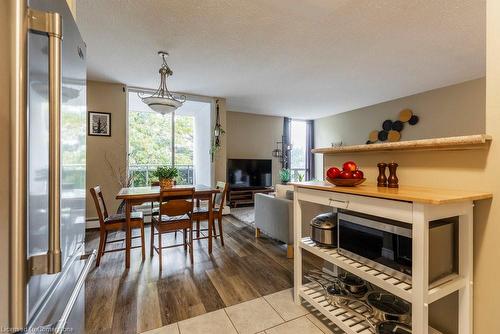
(133, 196)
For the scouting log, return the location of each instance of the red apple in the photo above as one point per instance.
(345, 174)
(333, 172)
(349, 166)
(357, 174)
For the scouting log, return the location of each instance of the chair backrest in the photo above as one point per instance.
(221, 197)
(177, 201)
(100, 206)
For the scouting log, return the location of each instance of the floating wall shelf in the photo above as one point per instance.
(472, 142)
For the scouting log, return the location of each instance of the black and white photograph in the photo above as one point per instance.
(99, 124)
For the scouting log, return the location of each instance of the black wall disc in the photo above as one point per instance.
(387, 125)
(413, 120)
(397, 126)
(382, 135)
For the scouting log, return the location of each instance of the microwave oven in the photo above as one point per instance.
(386, 245)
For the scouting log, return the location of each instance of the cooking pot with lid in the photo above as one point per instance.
(324, 229)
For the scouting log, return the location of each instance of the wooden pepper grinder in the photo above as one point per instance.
(393, 179)
(381, 179)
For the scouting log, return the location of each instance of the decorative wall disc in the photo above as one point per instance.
(382, 135)
(387, 125)
(398, 126)
(394, 136)
(405, 115)
(413, 120)
(391, 130)
(373, 137)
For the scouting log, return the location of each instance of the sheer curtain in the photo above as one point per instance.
(309, 146)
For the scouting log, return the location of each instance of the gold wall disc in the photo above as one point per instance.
(373, 136)
(405, 115)
(394, 136)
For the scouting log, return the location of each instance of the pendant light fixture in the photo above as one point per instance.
(162, 101)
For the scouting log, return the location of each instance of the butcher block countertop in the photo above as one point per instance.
(425, 195)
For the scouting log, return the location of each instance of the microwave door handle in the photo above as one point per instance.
(50, 24)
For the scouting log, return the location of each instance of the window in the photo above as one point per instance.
(298, 153)
(181, 139)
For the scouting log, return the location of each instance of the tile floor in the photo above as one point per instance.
(271, 314)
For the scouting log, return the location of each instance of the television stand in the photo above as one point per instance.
(237, 196)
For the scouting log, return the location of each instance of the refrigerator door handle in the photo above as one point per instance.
(50, 24)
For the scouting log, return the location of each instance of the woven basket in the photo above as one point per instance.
(166, 183)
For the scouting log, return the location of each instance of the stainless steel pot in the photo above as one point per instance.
(387, 306)
(391, 327)
(333, 292)
(386, 311)
(347, 281)
(338, 296)
(353, 284)
(324, 229)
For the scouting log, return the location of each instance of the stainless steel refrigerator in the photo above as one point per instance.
(48, 266)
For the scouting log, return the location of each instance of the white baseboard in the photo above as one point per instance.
(89, 224)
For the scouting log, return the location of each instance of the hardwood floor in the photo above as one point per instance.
(142, 298)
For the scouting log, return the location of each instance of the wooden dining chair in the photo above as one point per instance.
(154, 205)
(175, 214)
(201, 212)
(115, 222)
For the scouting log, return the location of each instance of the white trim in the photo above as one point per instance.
(126, 132)
(213, 116)
(89, 224)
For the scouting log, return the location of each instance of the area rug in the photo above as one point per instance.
(244, 214)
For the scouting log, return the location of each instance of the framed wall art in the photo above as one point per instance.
(99, 124)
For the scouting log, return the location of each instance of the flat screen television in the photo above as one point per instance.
(249, 173)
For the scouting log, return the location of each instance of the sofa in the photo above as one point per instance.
(274, 217)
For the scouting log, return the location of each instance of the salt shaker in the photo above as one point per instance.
(381, 179)
(393, 179)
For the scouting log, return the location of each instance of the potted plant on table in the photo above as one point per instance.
(285, 175)
(166, 175)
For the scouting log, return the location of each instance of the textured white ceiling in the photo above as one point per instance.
(305, 59)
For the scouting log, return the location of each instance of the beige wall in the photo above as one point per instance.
(487, 227)
(443, 112)
(251, 136)
(472, 170)
(106, 97)
(4, 161)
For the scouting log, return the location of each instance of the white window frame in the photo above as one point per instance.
(189, 97)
